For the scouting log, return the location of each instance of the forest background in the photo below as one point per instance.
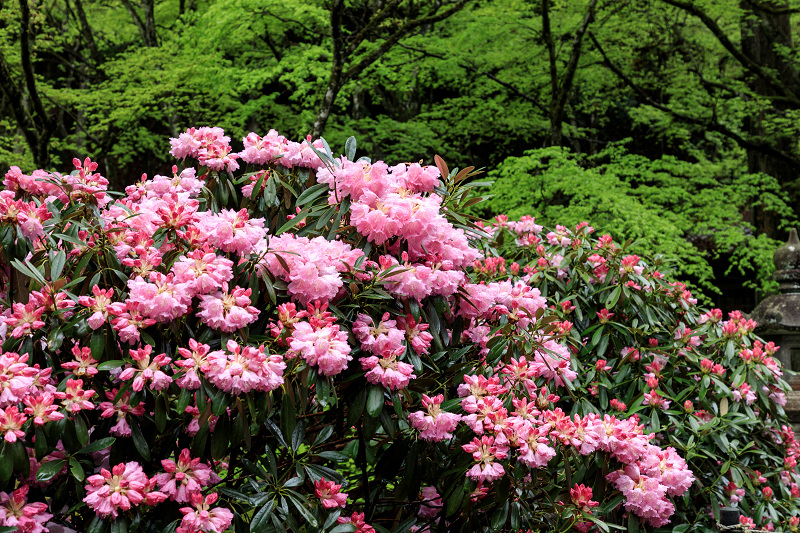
(671, 122)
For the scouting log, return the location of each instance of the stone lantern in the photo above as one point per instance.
(778, 317)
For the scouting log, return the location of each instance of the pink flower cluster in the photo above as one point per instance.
(397, 205)
(124, 487)
(276, 148)
(433, 423)
(533, 429)
(385, 341)
(15, 511)
(311, 267)
(329, 494)
(210, 146)
(201, 518)
(321, 343)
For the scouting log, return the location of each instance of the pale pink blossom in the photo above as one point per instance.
(431, 503)
(241, 369)
(124, 487)
(324, 347)
(203, 270)
(433, 423)
(485, 452)
(227, 311)
(120, 409)
(185, 477)
(232, 231)
(147, 369)
(194, 363)
(387, 370)
(201, 518)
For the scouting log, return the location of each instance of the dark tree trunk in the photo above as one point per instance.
(766, 29)
(561, 86)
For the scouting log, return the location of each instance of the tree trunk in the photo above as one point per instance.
(765, 27)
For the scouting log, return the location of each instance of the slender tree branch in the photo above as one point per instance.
(393, 39)
(27, 65)
(287, 21)
(340, 76)
(547, 36)
(575, 53)
(472, 68)
(86, 32)
(373, 23)
(746, 62)
(137, 20)
(708, 125)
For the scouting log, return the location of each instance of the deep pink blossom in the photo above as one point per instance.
(15, 511)
(75, 398)
(329, 495)
(120, 408)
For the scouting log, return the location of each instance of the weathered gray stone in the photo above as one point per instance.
(778, 319)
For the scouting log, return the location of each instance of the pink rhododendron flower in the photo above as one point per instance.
(120, 409)
(25, 319)
(416, 334)
(387, 370)
(329, 495)
(84, 364)
(97, 305)
(200, 518)
(644, 495)
(581, 496)
(124, 487)
(161, 298)
(324, 347)
(15, 511)
(194, 363)
(227, 311)
(744, 392)
(147, 370)
(357, 520)
(185, 477)
(74, 398)
(314, 265)
(431, 503)
(434, 424)
(231, 231)
(241, 369)
(262, 150)
(11, 421)
(485, 452)
(16, 378)
(379, 338)
(203, 271)
(41, 408)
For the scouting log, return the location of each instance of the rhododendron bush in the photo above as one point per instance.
(281, 338)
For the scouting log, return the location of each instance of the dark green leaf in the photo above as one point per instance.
(98, 445)
(48, 470)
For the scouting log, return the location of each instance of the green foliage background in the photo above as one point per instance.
(662, 124)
